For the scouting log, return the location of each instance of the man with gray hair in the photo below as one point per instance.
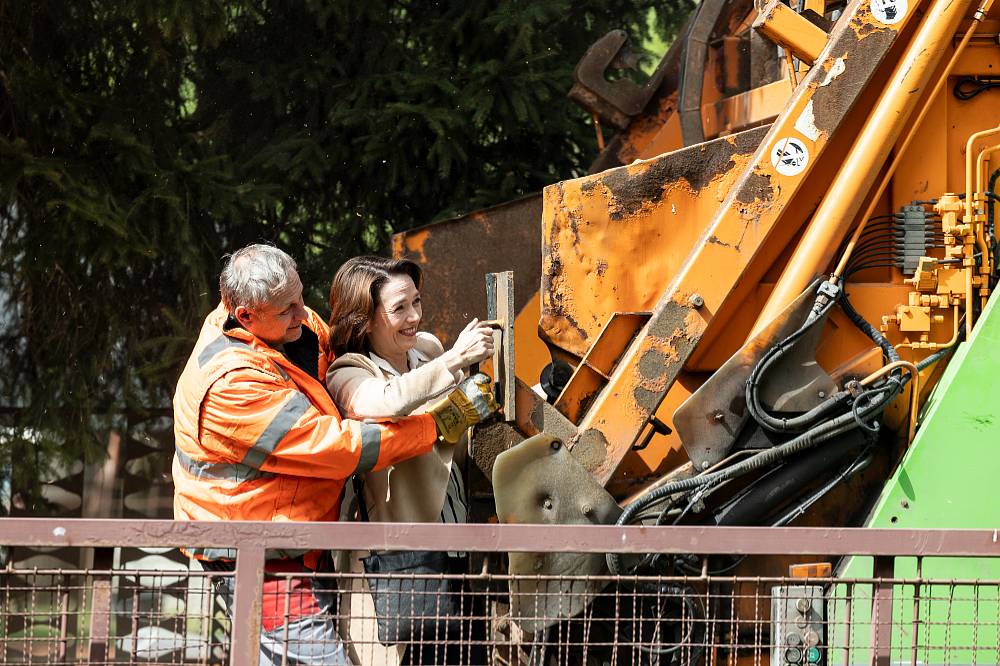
(259, 438)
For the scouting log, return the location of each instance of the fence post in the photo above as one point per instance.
(881, 640)
(246, 615)
(100, 605)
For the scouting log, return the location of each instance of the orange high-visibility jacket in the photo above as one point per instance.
(258, 437)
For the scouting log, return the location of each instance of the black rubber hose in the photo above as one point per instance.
(770, 357)
(781, 485)
(887, 349)
(810, 438)
(859, 463)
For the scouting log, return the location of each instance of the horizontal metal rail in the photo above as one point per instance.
(742, 629)
(254, 535)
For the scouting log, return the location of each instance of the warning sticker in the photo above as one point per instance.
(789, 156)
(889, 11)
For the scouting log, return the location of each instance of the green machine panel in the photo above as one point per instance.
(949, 478)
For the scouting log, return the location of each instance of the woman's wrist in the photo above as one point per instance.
(453, 360)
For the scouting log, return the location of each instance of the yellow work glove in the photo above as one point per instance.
(466, 406)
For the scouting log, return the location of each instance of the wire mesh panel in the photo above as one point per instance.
(57, 617)
(502, 619)
(168, 610)
(109, 616)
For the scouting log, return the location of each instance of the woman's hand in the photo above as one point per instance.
(474, 344)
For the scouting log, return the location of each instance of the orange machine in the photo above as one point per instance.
(780, 246)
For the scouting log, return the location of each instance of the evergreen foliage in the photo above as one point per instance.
(141, 140)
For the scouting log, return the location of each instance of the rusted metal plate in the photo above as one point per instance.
(540, 482)
(615, 102)
(613, 240)
(592, 372)
(446, 251)
(759, 210)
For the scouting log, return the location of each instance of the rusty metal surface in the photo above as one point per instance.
(787, 28)
(613, 240)
(897, 100)
(709, 421)
(746, 226)
(616, 102)
(453, 271)
(506, 538)
(500, 308)
(693, 77)
(540, 482)
(592, 372)
(247, 604)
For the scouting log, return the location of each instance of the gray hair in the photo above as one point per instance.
(253, 275)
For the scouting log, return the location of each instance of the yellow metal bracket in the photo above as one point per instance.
(791, 31)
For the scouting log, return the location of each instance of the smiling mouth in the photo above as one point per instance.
(409, 332)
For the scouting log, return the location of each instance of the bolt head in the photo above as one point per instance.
(696, 301)
(705, 464)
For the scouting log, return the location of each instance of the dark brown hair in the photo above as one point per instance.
(354, 297)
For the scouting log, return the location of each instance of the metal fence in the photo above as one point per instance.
(897, 610)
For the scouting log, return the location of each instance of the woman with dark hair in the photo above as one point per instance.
(385, 367)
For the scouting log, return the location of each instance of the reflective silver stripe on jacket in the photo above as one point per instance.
(213, 553)
(215, 346)
(223, 471)
(371, 444)
(276, 430)
(248, 469)
(230, 553)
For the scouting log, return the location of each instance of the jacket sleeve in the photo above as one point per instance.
(360, 394)
(258, 422)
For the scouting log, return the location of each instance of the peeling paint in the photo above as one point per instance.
(838, 68)
(806, 123)
(833, 102)
(632, 189)
(757, 187)
(652, 364)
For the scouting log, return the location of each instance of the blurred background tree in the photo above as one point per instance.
(141, 140)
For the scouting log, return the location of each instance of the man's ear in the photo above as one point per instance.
(243, 315)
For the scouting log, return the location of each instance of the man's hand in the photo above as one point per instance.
(467, 405)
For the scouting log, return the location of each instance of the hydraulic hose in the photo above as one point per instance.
(803, 421)
(872, 401)
(820, 433)
(989, 207)
(887, 349)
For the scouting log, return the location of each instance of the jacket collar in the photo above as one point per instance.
(303, 352)
(414, 359)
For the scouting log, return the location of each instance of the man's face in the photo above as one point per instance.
(278, 321)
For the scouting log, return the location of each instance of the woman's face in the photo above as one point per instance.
(397, 316)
